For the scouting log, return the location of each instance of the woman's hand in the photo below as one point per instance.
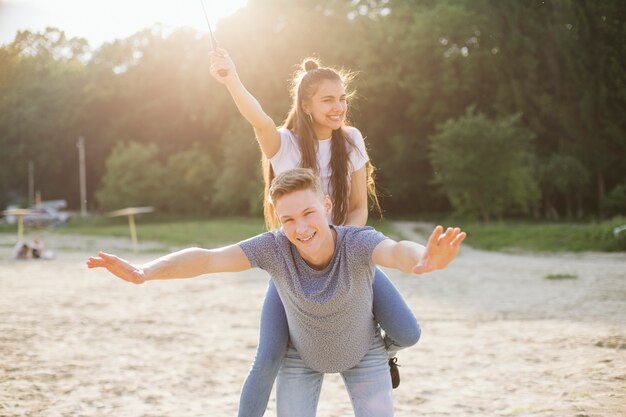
(222, 66)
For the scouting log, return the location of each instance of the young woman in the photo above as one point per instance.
(314, 136)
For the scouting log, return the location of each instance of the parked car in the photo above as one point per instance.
(45, 214)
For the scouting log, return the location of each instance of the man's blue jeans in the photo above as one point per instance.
(390, 310)
(368, 384)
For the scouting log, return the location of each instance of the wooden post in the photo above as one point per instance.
(19, 215)
(82, 176)
(130, 212)
(133, 231)
(20, 228)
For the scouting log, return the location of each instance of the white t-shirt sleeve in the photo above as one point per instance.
(288, 155)
(358, 155)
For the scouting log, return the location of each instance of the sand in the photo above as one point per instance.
(499, 339)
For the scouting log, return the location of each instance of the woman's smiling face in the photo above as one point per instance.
(327, 107)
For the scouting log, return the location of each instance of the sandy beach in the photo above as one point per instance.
(498, 338)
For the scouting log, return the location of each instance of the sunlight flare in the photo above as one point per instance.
(105, 20)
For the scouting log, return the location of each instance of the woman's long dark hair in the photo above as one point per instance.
(304, 86)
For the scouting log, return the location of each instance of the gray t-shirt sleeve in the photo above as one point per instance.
(362, 241)
(261, 250)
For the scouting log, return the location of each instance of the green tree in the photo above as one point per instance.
(134, 177)
(41, 82)
(421, 62)
(190, 179)
(562, 175)
(484, 166)
(598, 75)
(614, 204)
(239, 185)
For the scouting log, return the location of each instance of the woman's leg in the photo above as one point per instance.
(369, 385)
(273, 339)
(393, 314)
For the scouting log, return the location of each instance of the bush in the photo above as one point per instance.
(485, 166)
(614, 204)
(239, 187)
(134, 177)
(191, 176)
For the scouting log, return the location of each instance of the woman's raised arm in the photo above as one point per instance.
(264, 127)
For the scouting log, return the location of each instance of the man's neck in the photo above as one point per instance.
(321, 259)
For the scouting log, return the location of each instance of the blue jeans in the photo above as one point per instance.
(390, 311)
(368, 384)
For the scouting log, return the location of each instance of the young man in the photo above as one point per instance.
(323, 274)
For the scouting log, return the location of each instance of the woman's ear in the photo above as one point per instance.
(305, 106)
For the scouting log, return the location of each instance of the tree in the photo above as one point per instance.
(41, 83)
(562, 175)
(239, 186)
(420, 62)
(484, 166)
(134, 177)
(190, 179)
(614, 204)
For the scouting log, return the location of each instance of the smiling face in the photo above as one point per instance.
(328, 107)
(303, 215)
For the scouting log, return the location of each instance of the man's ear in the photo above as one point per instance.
(328, 205)
(277, 222)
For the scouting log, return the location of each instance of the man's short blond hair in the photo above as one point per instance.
(294, 180)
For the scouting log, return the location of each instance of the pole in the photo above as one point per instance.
(81, 173)
(222, 72)
(31, 183)
(133, 231)
(20, 228)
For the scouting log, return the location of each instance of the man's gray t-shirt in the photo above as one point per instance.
(331, 323)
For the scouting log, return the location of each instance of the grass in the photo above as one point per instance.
(561, 276)
(384, 226)
(497, 236)
(166, 230)
(546, 237)
(177, 231)
(172, 231)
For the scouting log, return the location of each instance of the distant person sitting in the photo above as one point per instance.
(21, 250)
(37, 248)
(323, 274)
(32, 250)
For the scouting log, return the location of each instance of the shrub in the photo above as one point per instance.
(485, 166)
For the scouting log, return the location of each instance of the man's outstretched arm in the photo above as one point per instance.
(186, 263)
(414, 258)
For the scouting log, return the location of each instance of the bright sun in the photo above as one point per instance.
(104, 20)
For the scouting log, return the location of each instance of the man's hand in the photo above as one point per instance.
(118, 267)
(442, 248)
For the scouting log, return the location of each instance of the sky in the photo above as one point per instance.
(102, 21)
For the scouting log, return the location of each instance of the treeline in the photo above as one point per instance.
(487, 108)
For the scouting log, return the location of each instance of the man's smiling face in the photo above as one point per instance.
(304, 217)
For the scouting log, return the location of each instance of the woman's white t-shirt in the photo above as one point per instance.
(289, 156)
